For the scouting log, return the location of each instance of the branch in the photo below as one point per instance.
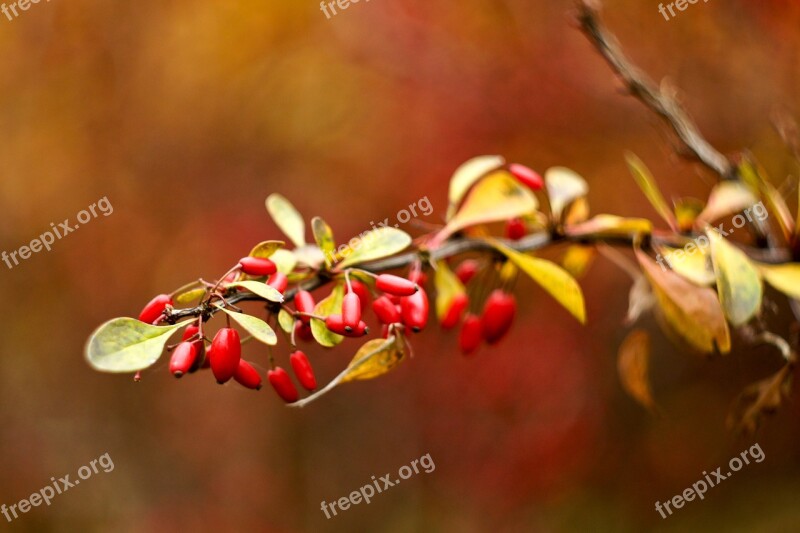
(643, 88)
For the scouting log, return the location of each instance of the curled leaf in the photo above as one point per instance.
(467, 175)
(564, 186)
(266, 249)
(127, 345)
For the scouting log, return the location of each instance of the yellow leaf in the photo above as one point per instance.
(648, 186)
(286, 320)
(633, 365)
(610, 227)
(564, 186)
(738, 283)
(686, 212)
(785, 278)
(266, 249)
(331, 305)
(552, 278)
(448, 286)
(577, 259)
(323, 234)
(287, 218)
(496, 197)
(376, 244)
(190, 296)
(726, 198)
(755, 177)
(256, 327)
(692, 262)
(261, 289)
(284, 260)
(691, 311)
(467, 175)
(374, 359)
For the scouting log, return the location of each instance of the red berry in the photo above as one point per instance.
(302, 370)
(467, 270)
(498, 313)
(414, 310)
(303, 331)
(385, 331)
(418, 276)
(351, 311)
(396, 285)
(153, 310)
(335, 323)
(225, 354)
(182, 359)
(207, 360)
(278, 281)
(526, 176)
(458, 305)
(470, 336)
(304, 303)
(257, 266)
(385, 310)
(282, 383)
(247, 376)
(515, 229)
(363, 292)
(190, 332)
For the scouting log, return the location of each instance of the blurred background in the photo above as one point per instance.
(187, 114)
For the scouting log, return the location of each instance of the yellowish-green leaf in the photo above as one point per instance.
(552, 278)
(376, 244)
(577, 259)
(686, 212)
(738, 282)
(564, 186)
(496, 197)
(323, 234)
(633, 365)
(692, 312)
(785, 278)
(127, 345)
(448, 286)
(190, 296)
(727, 198)
(648, 186)
(755, 177)
(284, 260)
(692, 262)
(610, 227)
(287, 218)
(266, 249)
(260, 289)
(286, 320)
(467, 175)
(331, 305)
(256, 327)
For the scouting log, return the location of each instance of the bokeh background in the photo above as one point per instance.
(187, 114)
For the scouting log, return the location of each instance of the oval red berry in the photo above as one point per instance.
(395, 285)
(282, 383)
(415, 310)
(183, 358)
(225, 354)
(155, 308)
(247, 376)
(257, 266)
(303, 370)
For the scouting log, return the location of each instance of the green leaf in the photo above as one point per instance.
(692, 312)
(564, 186)
(256, 327)
(738, 282)
(286, 320)
(287, 218)
(496, 197)
(648, 186)
(467, 175)
(448, 286)
(323, 234)
(331, 305)
(127, 345)
(376, 244)
(552, 278)
(266, 249)
(259, 289)
(785, 278)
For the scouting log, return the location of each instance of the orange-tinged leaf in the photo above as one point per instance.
(633, 363)
(467, 175)
(691, 311)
